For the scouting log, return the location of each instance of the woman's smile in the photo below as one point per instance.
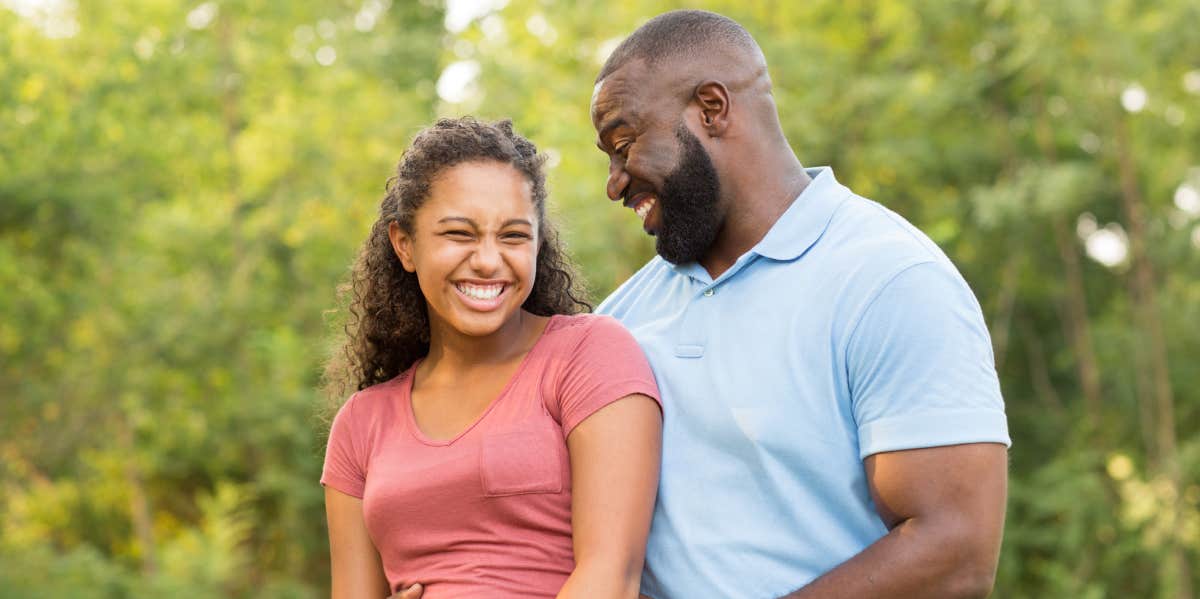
(482, 295)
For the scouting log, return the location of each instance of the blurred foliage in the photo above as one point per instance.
(182, 186)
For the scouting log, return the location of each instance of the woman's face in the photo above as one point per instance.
(473, 247)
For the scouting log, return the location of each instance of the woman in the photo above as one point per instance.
(500, 445)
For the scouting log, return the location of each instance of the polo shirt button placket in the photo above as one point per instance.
(693, 334)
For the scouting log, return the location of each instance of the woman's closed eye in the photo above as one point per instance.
(516, 237)
(458, 234)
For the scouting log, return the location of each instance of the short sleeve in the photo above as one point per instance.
(606, 365)
(345, 459)
(920, 366)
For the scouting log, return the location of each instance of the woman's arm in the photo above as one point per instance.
(614, 477)
(355, 566)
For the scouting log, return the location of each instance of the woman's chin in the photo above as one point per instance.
(484, 324)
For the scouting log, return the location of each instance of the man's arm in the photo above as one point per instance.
(944, 508)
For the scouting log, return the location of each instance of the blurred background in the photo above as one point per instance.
(184, 184)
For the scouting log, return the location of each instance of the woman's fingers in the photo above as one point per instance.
(412, 592)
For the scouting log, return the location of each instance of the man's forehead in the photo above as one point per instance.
(631, 73)
(619, 90)
(606, 98)
(596, 92)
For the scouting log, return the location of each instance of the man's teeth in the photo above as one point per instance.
(644, 208)
(480, 292)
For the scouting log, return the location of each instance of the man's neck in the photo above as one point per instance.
(753, 207)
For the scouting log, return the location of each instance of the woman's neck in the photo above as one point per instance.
(450, 351)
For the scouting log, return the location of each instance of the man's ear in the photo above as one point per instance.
(713, 98)
(402, 245)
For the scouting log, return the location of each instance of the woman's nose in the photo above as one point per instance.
(486, 259)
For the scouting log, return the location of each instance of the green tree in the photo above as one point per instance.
(183, 185)
(182, 189)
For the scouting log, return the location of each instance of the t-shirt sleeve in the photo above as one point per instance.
(920, 366)
(345, 457)
(606, 365)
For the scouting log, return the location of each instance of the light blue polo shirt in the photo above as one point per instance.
(845, 332)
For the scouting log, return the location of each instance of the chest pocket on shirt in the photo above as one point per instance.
(523, 461)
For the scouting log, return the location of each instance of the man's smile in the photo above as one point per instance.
(643, 205)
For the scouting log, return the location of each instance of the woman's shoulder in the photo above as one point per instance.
(596, 361)
(575, 329)
(584, 322)
(368, 403)
(589, 337)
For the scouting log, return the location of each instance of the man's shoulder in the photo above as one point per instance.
(651, 274)
(866, 239)
(871, 248)
(866, 227)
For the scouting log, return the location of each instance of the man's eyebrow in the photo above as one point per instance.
(607, 128)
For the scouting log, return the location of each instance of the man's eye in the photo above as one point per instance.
(622, 149)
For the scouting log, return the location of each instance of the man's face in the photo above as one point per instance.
(657, 167)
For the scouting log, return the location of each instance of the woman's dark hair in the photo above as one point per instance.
(387, 325)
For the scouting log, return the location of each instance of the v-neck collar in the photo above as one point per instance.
(406, 395)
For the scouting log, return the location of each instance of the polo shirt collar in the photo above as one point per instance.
(805, 220)
(797, 229)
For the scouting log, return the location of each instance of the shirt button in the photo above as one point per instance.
(708, 292)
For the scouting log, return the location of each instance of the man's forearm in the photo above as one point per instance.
(915, 559)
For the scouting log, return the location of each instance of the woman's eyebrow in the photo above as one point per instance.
(461, 219)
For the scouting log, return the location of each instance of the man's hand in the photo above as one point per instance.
(413, 592)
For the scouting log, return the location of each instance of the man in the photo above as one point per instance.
(833, 422)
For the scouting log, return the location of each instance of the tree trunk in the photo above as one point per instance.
(139, 506)
(1079, 329)
(1005, 305)
(1038, 375)
(1150, 333)
(1078, 326)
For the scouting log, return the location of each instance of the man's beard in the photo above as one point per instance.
(689, 204)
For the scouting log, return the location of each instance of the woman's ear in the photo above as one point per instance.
(402, 245)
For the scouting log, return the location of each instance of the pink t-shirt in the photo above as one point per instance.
(487, 513)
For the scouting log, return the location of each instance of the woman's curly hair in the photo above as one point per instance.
(387, 325)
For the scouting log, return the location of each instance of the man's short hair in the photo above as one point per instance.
(678, 33)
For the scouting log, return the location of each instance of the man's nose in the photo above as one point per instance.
(618, 179)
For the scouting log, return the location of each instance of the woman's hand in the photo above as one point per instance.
(413, 592)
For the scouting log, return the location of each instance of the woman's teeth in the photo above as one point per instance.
(480, 292)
